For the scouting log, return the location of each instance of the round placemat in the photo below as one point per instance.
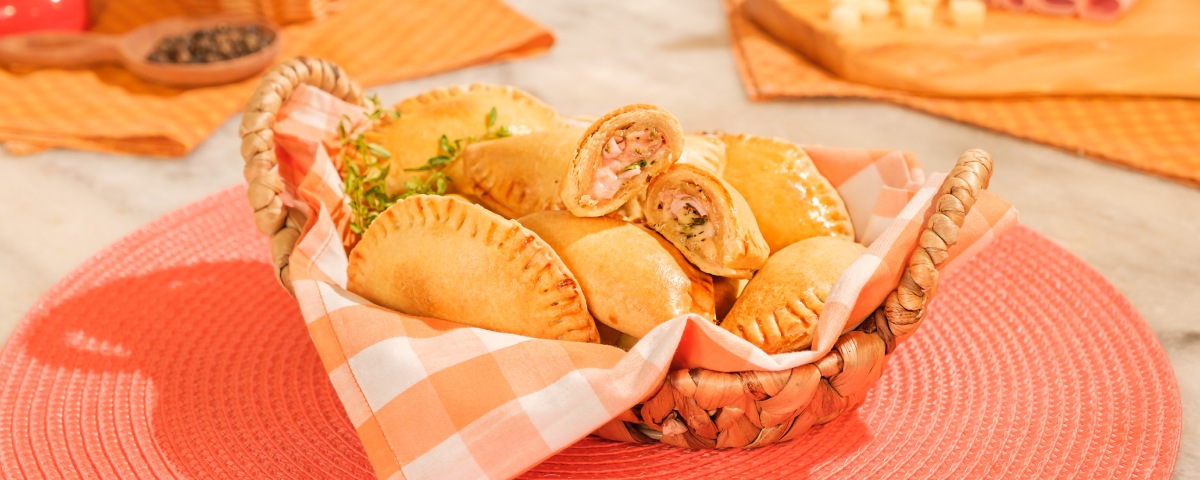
(173, 353)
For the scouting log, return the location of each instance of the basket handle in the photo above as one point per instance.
(901, 313)
(276, 220)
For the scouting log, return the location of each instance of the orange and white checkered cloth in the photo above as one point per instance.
(434, 399)
(106, 108)
(1159, 135)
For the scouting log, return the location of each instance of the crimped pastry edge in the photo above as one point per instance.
(579, 326)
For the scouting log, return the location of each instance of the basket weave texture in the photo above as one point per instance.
(694, 407)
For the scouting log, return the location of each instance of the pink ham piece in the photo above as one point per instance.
(621, 157)
(1104, 10)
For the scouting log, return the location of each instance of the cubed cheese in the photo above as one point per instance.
(874, 9)
(918, 17)
(845, 18)
(967, 13)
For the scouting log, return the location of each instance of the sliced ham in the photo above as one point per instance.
(623, 157)
(1104, 10)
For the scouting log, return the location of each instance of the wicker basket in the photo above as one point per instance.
(694, 408)
(280, 12)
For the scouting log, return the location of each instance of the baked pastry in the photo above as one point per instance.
(725, 293)
(618, 155)
(632, 278)
(704, 150)
(790, 198)
(779, 308)
(458, 113)
(707, 220)
(439, 257)
(516, 176)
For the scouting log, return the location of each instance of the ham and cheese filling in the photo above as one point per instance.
(624, 156)
(688, 212)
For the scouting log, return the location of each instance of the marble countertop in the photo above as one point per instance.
(1141, 232)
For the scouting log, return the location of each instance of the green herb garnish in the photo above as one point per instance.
(449, 151)
(366, 167)
(690, 219)
(637, 164)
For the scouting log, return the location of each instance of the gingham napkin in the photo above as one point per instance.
(433, 399)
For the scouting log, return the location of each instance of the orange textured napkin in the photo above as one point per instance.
(106, 108)
(1156, 135)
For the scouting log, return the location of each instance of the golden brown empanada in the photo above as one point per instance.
(516, 176)
(457, 113)
(619, 154)
(790, 198)
(440, 257)
(704, 150)
(632, 278)
(779, 308)
(707, 219)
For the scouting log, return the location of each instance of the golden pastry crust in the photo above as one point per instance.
(704, 150)
(633, 279)
(779, 308)
(456, 112)
(594, 185)
(440, 257)
(708, 221)
(790, 198)
(519, 175)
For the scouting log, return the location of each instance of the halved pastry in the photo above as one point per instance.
(459, 114)
(439, 257)
(707, 219)
(779, 308)
(632, 278)
(516, 176)
(790, 198)
(704, 150)
(619, 154)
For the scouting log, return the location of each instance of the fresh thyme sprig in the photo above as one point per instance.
(449, 151)
(366, 167)
(637, 164)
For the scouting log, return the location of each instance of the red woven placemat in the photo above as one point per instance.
(173, 353)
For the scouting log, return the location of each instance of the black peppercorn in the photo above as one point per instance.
(219, 43)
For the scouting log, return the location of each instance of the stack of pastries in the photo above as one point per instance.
(599, 230)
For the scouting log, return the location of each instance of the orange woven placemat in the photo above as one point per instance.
(1156, 135)
(174, 354)
(107, 109)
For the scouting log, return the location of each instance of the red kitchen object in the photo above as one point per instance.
(22, 16)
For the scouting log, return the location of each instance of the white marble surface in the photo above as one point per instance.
(60, 207)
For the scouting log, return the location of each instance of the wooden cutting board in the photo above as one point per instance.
(1153, 50)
